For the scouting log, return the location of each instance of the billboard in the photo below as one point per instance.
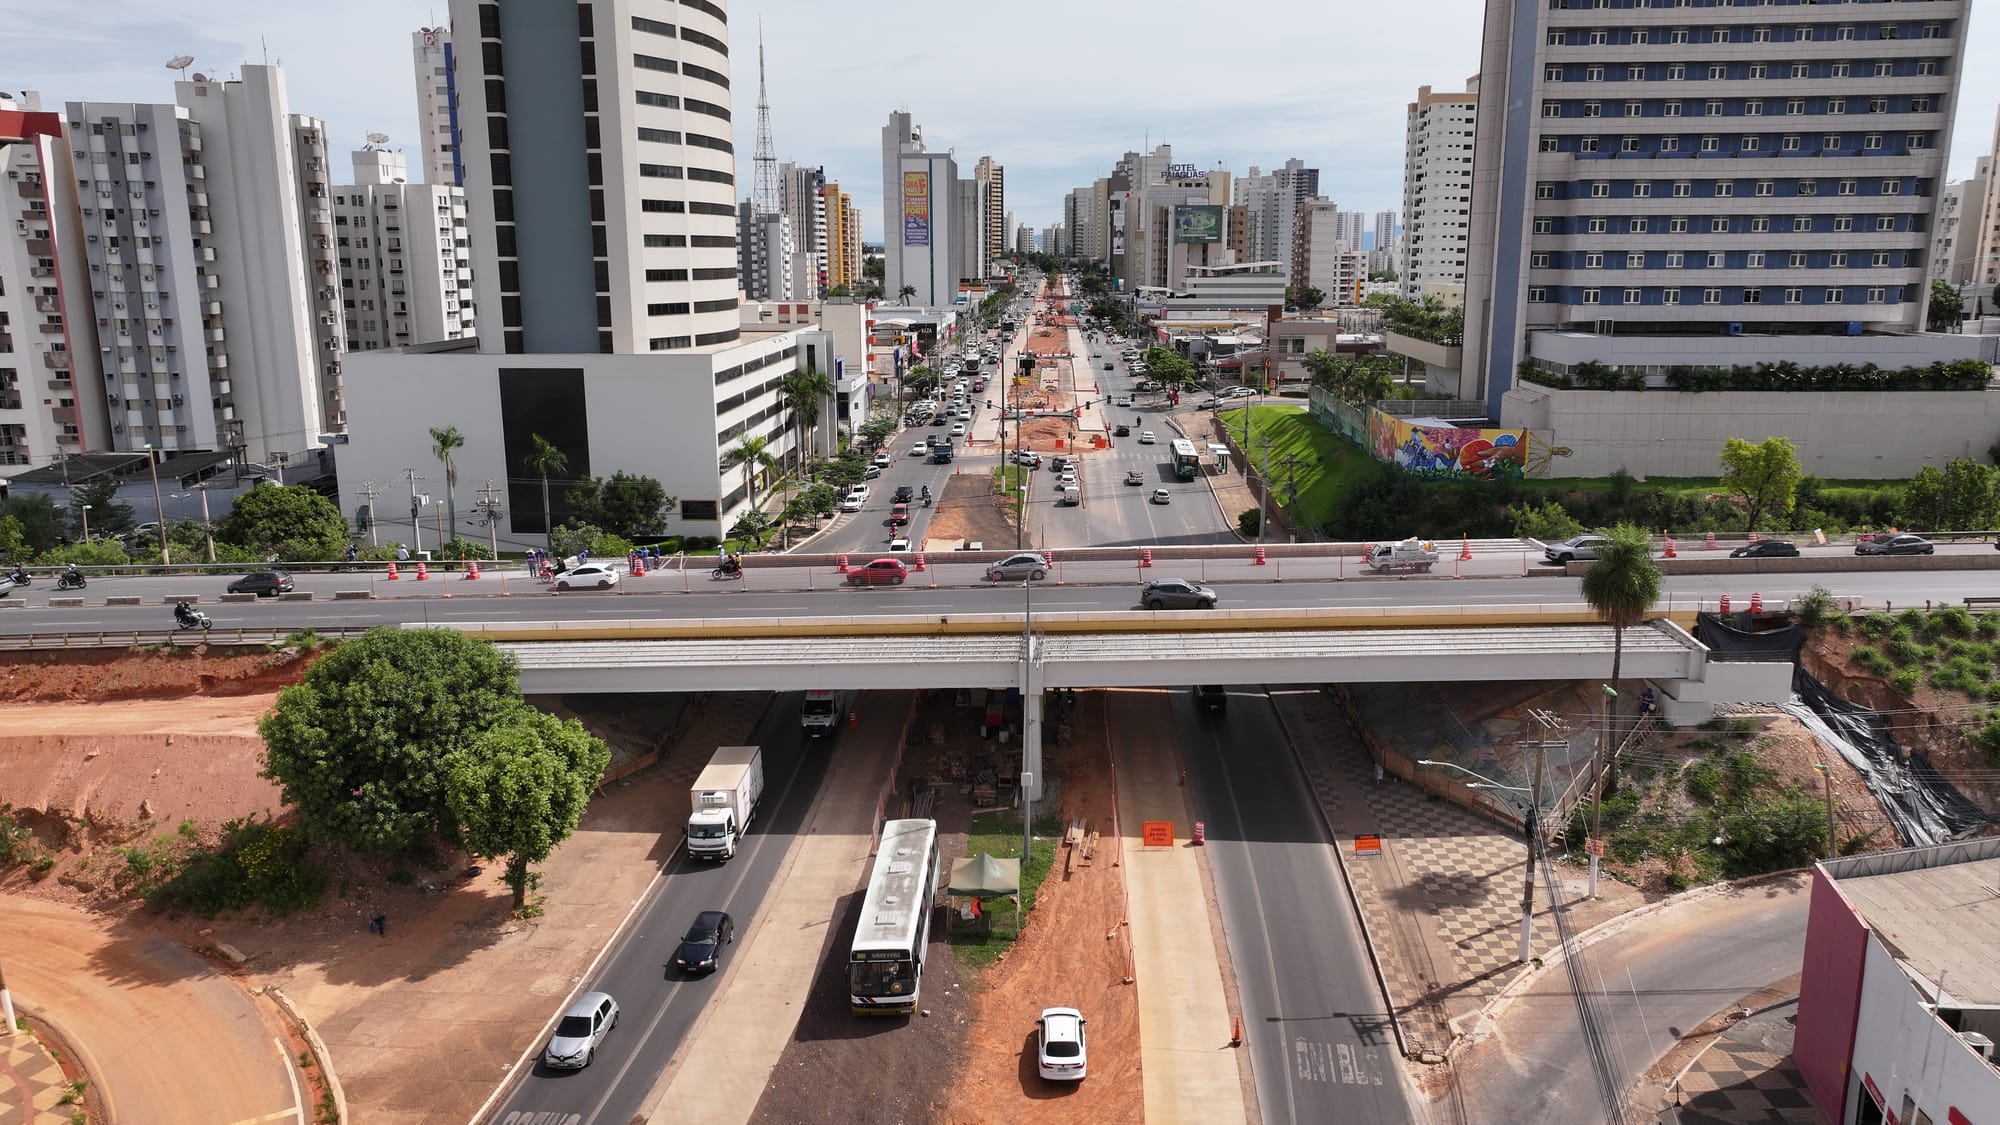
(1443, 450)
(1200, 222)
(916, 208)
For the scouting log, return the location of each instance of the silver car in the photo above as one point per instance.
(1014, 568)
(1176, 593)
(1576, 548)
(580, 1031)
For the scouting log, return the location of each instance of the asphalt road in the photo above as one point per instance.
(1652, 983)
(656, 1006)
(1316, 1025)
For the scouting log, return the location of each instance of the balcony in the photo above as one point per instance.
(50, 329)
(39, 248)
(63, 385)
(213, 335)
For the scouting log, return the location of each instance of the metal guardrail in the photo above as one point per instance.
(175, 638)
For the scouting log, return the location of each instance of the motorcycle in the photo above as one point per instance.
(186, 617)
(727, 571)
(70, 581)
(19, 577)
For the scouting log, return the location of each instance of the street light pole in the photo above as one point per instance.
(85, 509)
(1531, 822)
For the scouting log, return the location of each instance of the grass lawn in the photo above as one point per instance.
(1007, 478)
(998, 833)
(1322, 465)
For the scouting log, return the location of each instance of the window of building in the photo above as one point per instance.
(1711, 144)
(1593, 109)
(1794, 296)
(1749, 142)
(1801, 70)
(1549, 144)
(1642, 189)
(1837, 259)
(1676, 260)
(1760, 224)
(1552, 74)
(1538, 295)
(1790, 143)
(1545, 226)
(1671, 109)
(1801, 224)
(1635, 74)
(1539, 261)
(1840, 70)
(1683, 189)
(1628, 144)
(1753, 107)
(1892, 187)
(1552, 109)
(1589, 297)
(1844, 32)
(1830, 140)
(1633, 296)
(1754, 260)
(1717, 72)
(1753, 295)
(1808, 187)
(1676, 72)
(1586, 144)
(1635, 261)
(1725, 188)
(1714, 259)
(1843, 223)
(1677, 35)
(1759, 70)
(1920, 105)
(1600, 189)
(1712, 107)
(1670, 296)
(1764, 187)
(1885, 70)
(661, 101)
(1711, 296)
(1593, 74)
(1634, 108)
(1885, 222)
(1796, 260)
(1876, 296)
(1558, 38)
(1718, 225)
(1916, 140)
(1593, 261)
(1599, 37)
(1879, 259)
(1927, 67)
(1677, 225)
(1545, 190)
(1597, 226)
(1638, 225)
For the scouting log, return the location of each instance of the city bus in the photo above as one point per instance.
(885, 963)
(1186, 462)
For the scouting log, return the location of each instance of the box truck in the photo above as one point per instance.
(723, 800)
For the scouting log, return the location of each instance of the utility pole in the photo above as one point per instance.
(416, 513)
(207, 528)
(1550, 724)
(489, 502)
(280, 458)
(369, 490)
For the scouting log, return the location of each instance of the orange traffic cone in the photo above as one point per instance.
(1145, 557)
(393, 576)
(1672, 553)
(1465, 548)
(1710, 545)
(1756, 602)
(919, 568)
(843, 564)
(423, 572)
(471, 569)
(1724, 607)
(638, 567)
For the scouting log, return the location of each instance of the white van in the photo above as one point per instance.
(1071, 496)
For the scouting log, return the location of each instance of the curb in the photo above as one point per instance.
(79, 1052)
(1712, 1039)
(1479, 1023)
(1340, 859)
(319, 1051)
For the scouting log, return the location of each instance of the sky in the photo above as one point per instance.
(1054, 91)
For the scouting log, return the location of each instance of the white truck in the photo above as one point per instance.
(1407, 557)
(723, 800)
(819, 715)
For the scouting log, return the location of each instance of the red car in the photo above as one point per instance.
(900, 514)
(881, 572)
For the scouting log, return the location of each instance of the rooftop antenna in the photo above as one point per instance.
(180, 63)
(767, 153)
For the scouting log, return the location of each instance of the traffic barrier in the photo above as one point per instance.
(1201, 832)
(1756, 602)
(1710, 545)
(1145, 557)
(1724, 607)
(843, 564)
(423, 572)
(471, 570)
(1049, 559)
(920, 563)
(1465, 548)
(393, 576)
(1259, 559)
(1672, 553)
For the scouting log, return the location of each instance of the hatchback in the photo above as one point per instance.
(700, 950)
(854, 501)
(1176, 593)
(1025, 565)
(263, 583)
(1061, 1055)
(1162, 496)
(1895, 545)
(1766, 549)
(882, 460)
(589, 575)
(580, 1031)
(921, 449)
(1145, 437)
(881, 572)
(899, 514)
(1029, 458)
(958, 429)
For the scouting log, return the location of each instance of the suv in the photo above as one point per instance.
(1576, 548)
(1176, 593)
(263, 583)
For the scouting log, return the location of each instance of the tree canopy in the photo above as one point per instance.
(290, 520)
(1947, 307)
(107, 516)
(1168, 367)
(1765, 476)
(1960, 498)
(519, 788)
(628, 506)
(34, 514)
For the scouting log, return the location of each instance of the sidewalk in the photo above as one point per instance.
(1441, 903)
(30, 1081)
(1743, 1075)
(731, 1051)
(1182, 1006)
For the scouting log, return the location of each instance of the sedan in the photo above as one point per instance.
(590, 575)
(903, 495)
(1145, 437)
(1060, 1054)
(1162, 496)
(881, 572)
(882, 460)
(1575, 548)
(1766, 549)
(1176, 593)
(1209, 404)
(958, 429)
(700, 950)
(263, 583)
(853, 501)
(1026, 565)
(1895, 545)
(1135, 476)
(581, 1029)
(899, 546)
(921, 449)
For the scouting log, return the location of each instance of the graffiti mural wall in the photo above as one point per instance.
(1445, 449)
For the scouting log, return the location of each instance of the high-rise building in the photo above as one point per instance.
(1984, 268)
(1722, 180)
(405, 263)
(995, 222)
(1956, 241)
(48, 335)
(765, 252)
(923, 208)
(1437, 193)
(801, 198)
(843, 238)
(437, 106)
(1271, 201)
(1327, 253)
(1381, 254)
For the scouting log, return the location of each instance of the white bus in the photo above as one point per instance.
(886, 962)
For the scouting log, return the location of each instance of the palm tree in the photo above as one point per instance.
(544, 458)
(906, 292)
(804, 394)
(750, 453)
(446, 440)
(1621, 587)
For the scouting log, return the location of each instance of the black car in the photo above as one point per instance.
(904, 494)
(1122, 431)
(1766, 549)
(701, 950)
(1895, 545)
(263, 583)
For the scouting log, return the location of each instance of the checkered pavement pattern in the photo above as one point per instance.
(30, 1081)
(1741, 1081)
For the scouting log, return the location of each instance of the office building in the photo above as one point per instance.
(996, 223)
(437, 106)
(1752, 174)
(801, 198)
(605, 264)
(1437, 193)
(765, 252)
(404, 255)
(923, 209)
(843, 238)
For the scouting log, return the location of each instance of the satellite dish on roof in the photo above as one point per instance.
(180, 63)
(200, 77)
(378, 138)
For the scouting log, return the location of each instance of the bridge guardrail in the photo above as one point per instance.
(140, 638)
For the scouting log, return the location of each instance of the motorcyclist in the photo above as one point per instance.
(19, 576)
(71, 576)
(927, 496)
(184, 613)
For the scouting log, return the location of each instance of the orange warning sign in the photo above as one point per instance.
(1159, 833)
(1593, 847)
(1368, 845)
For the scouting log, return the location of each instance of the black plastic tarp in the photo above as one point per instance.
(1925, 807)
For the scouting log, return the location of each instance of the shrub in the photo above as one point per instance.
(1704, 781)
(1953, 621)
(256, 863)
(1871, 658)
(1250, 521)
(1907, 679)
(1816, 607)
(1877, 625)
(1906, 652)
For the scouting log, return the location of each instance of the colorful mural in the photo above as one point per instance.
(1447, 449)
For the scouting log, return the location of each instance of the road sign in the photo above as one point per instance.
(1368, 845)
(1158, 833)
(1593, 847)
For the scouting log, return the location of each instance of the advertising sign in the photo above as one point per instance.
(1200, 222)
(1447, 450)
(1182, 171)
(916, 208)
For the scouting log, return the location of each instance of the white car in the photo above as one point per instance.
(899, 546)
(1162, 496)
(881, 460)
(598, 576)
(581, 1029)
(920, 450)
(1145, 437)
(1028, 457)
(958, 429)
(1239, 392)
(853, 501)
(1061, 1055)
(1067, 479)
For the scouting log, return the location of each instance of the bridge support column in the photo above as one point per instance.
(1031, 720)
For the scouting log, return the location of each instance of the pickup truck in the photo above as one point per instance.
(1407, 557)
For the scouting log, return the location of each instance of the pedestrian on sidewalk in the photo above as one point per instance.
(378, 922)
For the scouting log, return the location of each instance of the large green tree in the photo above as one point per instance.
(446, 441)
(360, 746)
(107, 517)
(289, 520)
(39, 522)
(753, 453)
(804, 393)
(1947, 307)
(1304, 297)
(1764, 476)
(519, 788)
(1960, 498)
(628, 506)
(1168, 367)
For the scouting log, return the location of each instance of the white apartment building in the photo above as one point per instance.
(921, 208)
(766, 254)
(995, 223)
(437, 106)
(1382, 252)
(1984, 269)
(405, 258)
(48, 337)
(1744, 172)
(801, 196)
(606, 273)
(1955, 242)
(1076, 224)
(1327, 253)
(1437, 193)
(1272, 200)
